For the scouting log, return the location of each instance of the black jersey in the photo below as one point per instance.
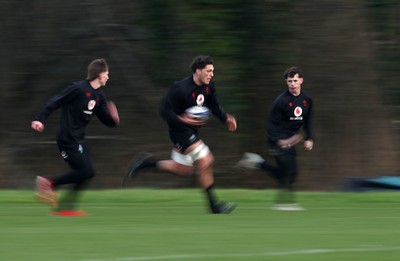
(79, 101)
(288, 114)
(184, 94)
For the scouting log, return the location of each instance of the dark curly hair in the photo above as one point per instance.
(292, 71)
(199, 62)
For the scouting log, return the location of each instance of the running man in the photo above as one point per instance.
(189, 151)
(79, 102)
(290, 112)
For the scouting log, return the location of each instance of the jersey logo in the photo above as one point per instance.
(91, 104)
(298, 111)
(200, 100)
(304, 103)
(88, 94)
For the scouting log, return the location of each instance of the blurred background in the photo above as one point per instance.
(348, 49)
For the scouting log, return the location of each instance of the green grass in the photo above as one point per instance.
(149, 224)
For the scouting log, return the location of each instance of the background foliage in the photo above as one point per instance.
(349, 51)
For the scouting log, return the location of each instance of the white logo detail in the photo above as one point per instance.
(64, 154)
(80, 148)
(192, 138)
(88, 112)
(200, 100)
(91, 104)
(298, 111)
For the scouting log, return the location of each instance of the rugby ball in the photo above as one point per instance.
(199, 113)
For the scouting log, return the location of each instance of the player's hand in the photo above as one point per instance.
(37, 126)
(308, 144)
(231, 122)
(113, 112)
(190, 121)
(289, 142)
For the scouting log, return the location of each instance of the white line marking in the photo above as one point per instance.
(233, 255)
(165, 206)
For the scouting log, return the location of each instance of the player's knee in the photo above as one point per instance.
(206, 162)
(88, 174)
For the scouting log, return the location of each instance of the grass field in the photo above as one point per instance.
(149, 224)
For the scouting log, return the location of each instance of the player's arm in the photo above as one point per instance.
(107, 112)
(308, 144)
(308, 128)
(37, 126)
(186, 119)
(52, 104)
(219, 112)
(277, 116)
(112, 109)
(214, 105)
(231, 122)
(290, 142)
(172, 100)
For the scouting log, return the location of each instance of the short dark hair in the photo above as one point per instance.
(292, 71)
(199, 62)
(95, 68)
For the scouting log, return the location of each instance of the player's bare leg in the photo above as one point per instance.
(173, 167)
(205, 179)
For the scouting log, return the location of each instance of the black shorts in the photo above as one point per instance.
(184, 139)
(77, 156)
(287, 164)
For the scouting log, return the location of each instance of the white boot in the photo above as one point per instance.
(250, 160)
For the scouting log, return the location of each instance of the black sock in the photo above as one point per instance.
(212, 198)
(148, 163)
(271, 170)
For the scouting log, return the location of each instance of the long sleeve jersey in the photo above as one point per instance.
(79, 102)
(288, 114)
(184, 94)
